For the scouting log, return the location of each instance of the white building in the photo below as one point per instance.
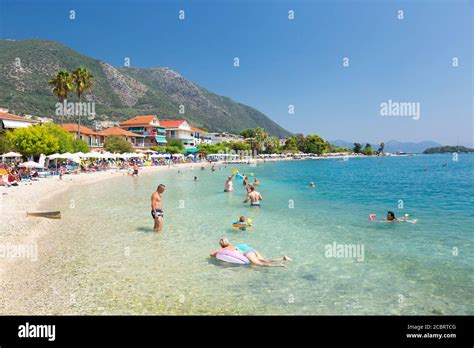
(10, 121)
(224, 137)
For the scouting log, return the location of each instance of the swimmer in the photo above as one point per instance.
(195, 178)
(311, 184)
(229, 186)
(256, 182)
(391, 218)
(243, 221)
(254, 197)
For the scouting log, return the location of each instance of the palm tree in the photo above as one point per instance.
(272, 144)
(381, 148)
(61, 82)
(83, 81)
(260, 137)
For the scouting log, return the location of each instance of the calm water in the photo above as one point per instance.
(107, 260)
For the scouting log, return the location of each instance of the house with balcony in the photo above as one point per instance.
(91, 137)
(200, 136)
(150, 130)
(181, 130)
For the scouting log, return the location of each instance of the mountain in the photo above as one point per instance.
(118, 93)
(393, 146)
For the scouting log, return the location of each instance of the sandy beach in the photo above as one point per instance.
(21, 232)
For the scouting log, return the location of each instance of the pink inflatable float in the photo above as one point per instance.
(232, 257)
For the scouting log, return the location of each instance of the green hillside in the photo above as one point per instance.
(26, 66)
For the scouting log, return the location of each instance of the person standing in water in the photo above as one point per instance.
(254, 197)
(157, 208)
(229, 185)
(135, 169)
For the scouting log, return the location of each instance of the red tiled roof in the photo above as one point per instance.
(198, 130)
(172, 123)
(72, 127)
(138, 120)
(118, 131)
(7, 116)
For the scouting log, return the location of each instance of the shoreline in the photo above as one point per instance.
(18, 229)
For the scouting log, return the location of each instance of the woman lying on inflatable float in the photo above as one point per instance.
(243, 255)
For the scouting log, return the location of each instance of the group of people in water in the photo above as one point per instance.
(250, 253)
(254, 257)
(255, 198)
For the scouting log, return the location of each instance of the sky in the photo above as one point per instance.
(287, 62)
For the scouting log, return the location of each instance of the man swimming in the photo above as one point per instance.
(254, 197)
(157, 208)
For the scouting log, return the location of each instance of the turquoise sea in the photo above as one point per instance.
(107, 260)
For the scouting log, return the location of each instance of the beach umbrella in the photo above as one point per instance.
(91, 155)
(75, 159)
(31, 164)
(54, 156)
(11, 154)
(137, 155)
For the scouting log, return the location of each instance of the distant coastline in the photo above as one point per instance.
(448, 149)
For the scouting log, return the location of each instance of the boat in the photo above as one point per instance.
(46, 214)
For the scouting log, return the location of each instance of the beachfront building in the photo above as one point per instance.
(149, 128)
(181, 130)
(9, 121)
(132, 138)
(216, 138)
(91, 137)
(200, 136)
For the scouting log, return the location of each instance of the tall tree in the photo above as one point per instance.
(301, 142)
(291, 144)
(316, 144)
(272, 144)
(83, 81)
(357, 147)
(114, 144)
(248, 133)
(368, 149)
(260, 137)
(381, 147)
(62, 85)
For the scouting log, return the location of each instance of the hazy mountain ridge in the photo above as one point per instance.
(393, 146)
(119, 93)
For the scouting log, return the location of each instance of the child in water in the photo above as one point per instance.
(242, 221)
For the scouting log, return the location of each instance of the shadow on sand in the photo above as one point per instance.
(145, 229)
